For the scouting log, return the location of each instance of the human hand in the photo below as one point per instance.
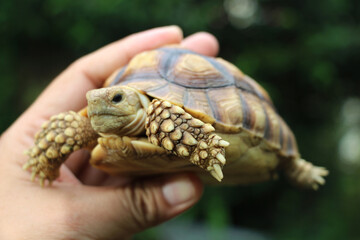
(84, 203)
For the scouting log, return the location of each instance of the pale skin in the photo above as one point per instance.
(83, 202)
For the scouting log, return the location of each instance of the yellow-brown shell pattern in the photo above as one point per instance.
(211, 89)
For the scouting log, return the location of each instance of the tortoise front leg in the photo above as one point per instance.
(61, 135)
(170, 127)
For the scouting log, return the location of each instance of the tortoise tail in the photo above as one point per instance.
(305, 174)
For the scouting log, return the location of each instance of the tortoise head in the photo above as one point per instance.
(117, 110)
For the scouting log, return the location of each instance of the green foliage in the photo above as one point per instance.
(306, 53)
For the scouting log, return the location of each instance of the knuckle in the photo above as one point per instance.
(144, 203)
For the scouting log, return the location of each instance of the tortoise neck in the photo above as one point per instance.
(137, 126)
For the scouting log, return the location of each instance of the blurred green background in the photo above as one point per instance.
(305, 53)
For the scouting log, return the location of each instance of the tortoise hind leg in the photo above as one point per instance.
(61, 135)
(305, 174)
(172, 128)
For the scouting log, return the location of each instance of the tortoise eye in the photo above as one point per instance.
(117, 98)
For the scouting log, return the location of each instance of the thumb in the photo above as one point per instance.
(141, 204)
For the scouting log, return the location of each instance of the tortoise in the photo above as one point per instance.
(170, 110)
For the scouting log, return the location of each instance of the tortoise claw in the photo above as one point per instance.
(215, 175)
(218, 171)
(38, 173)
(223, 143)
(221, 158)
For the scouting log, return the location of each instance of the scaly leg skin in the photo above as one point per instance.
(61, 135)
(305, 174)
(170, 127)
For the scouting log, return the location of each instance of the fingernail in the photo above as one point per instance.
(176, 29)
(178, 190)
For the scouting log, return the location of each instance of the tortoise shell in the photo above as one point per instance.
(212, 90)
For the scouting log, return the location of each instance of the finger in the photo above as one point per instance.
(91, 176)
(78, 164)
(119, 53)
(67, 176)
(137, 206)
(68, 90)
(78, 160)
(203, 43)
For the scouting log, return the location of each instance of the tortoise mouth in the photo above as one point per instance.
(99, 119)
(104, 122)
(103, 113)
